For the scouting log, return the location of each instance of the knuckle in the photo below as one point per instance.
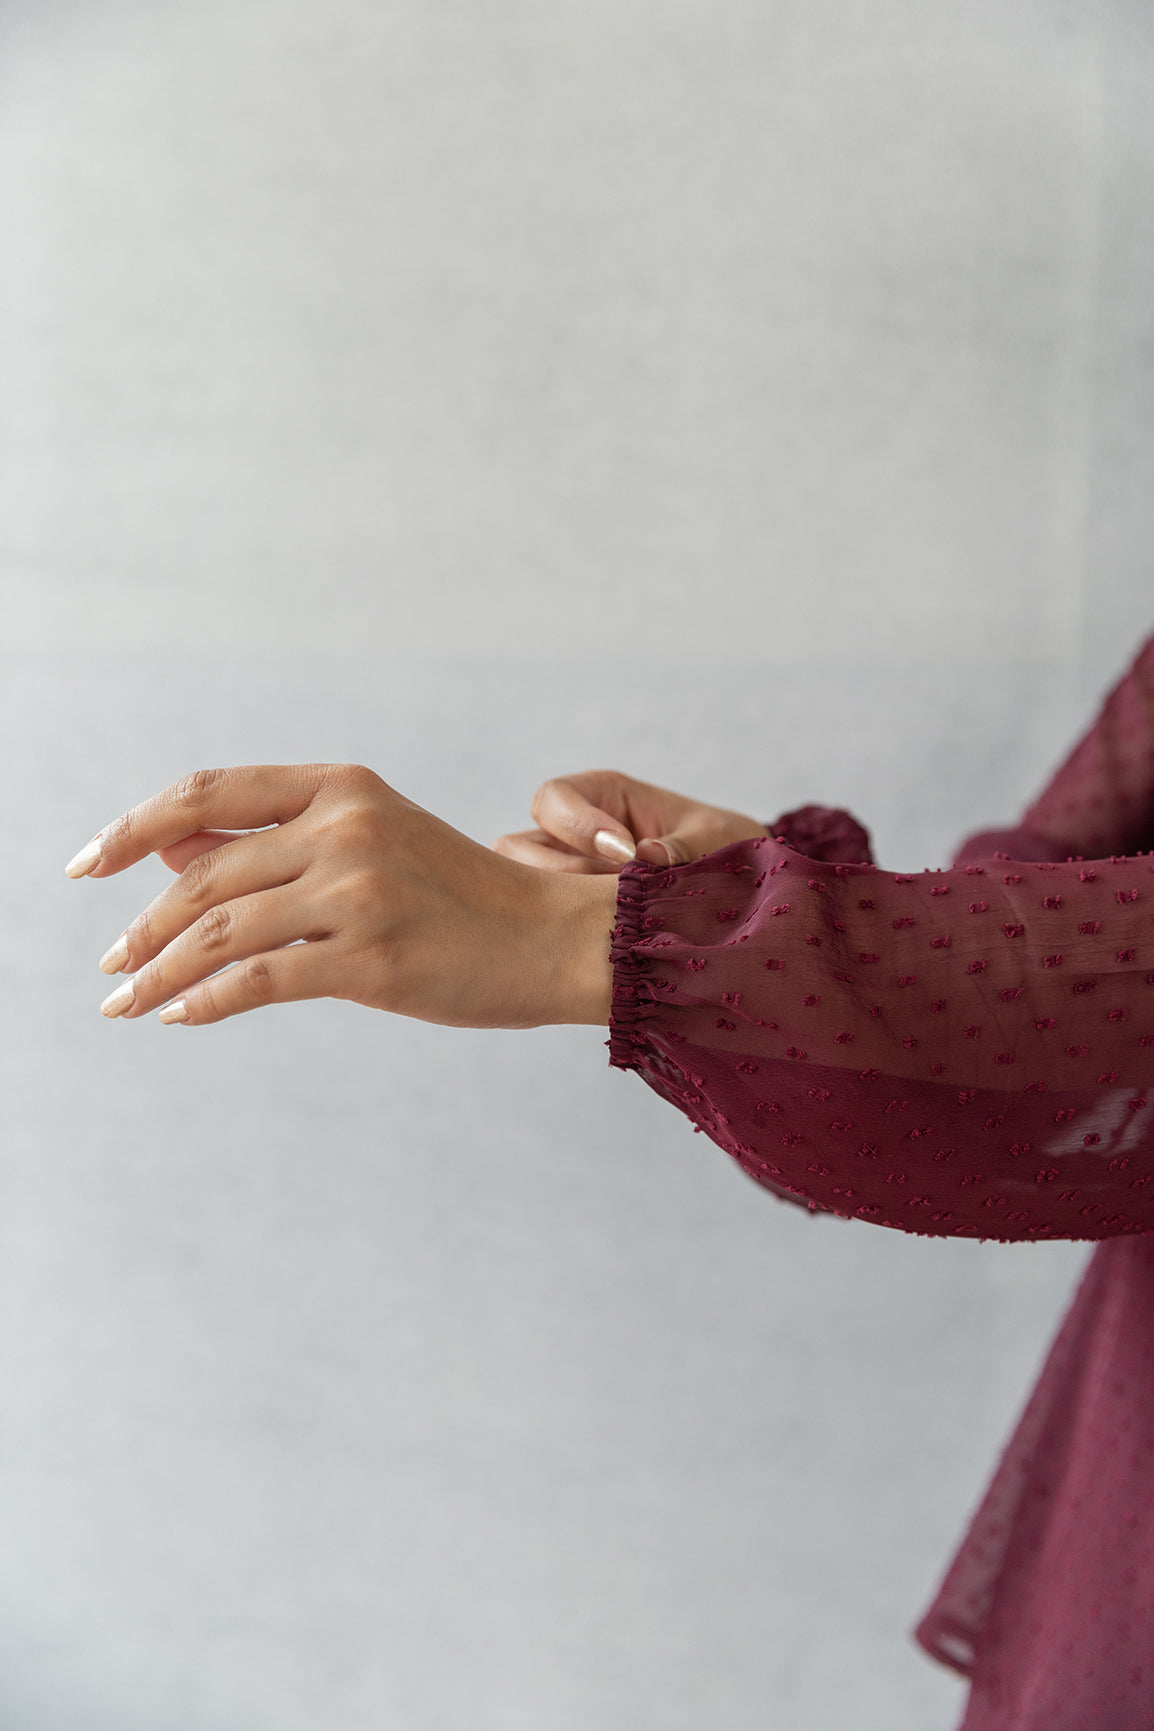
(192, 792)
(581, 787)
(360, 894)
(361, 827)
(355, 777)
(257, 979)
(543, 796)
(352, 828)
(215, 927)
(140, 937)
(196, 878)
(354, 817)
(118, 834)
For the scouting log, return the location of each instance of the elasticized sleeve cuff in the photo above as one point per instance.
(625, 1011)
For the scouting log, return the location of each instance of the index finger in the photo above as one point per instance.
(565, 808)
(247, 796)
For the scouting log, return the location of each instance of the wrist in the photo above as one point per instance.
(581, 911)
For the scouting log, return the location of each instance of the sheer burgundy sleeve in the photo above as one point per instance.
(960, 1053)
(1101, 801)
(1048, 1604)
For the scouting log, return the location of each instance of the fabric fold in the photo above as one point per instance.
(966, 1052)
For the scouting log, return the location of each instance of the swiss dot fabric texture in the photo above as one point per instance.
(963, 1053)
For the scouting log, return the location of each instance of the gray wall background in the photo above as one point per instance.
(755, 398)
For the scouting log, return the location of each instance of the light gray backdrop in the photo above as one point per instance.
(754, 397)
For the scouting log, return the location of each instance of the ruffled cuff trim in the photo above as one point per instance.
(824, 832)
(625, 1033)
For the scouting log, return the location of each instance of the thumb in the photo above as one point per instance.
(563, 808)
(667, 850)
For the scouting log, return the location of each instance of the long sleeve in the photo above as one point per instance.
(1101, 800)
(1047, 1605)
(962, 1053)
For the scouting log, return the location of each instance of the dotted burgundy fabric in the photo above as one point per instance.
(963, 1053)
(1049, 1604)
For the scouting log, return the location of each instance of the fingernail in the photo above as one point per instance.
(613, 846)
(83, 862)
(115, 959)
(118, 1001)
(177, 1012)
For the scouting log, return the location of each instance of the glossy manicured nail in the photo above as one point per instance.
(116, 959)
(612, 846)
(177, 1012)
(120, 1000)
(82, 863)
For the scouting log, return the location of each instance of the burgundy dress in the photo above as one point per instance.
(962, 1053)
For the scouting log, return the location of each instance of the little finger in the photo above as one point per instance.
(281, 977)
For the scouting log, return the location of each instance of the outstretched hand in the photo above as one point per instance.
(320, 880)
(595, 822)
